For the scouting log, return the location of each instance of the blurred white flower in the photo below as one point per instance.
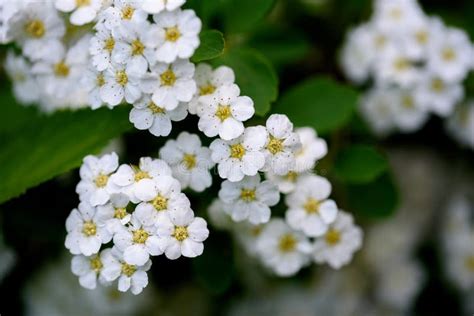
(83, 11)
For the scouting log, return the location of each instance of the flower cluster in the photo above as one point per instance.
(141, 210)
(416, 62)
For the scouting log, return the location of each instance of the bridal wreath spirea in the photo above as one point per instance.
(138, 53)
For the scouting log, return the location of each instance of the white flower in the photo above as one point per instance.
(460, 260)
(281, 146)
(25, 87)
(129, 179)
(286, 183)
(377, 107)
(242, 156)
(170, 83)
(395, 66)
(419, 37)
(249, 199)
(461, 124)
(85, 236)
(93, 81)
(85, 11)
(9, 9)
(312, 149)
(176, 34)
(397, 16)
(114, 214)
(129, 276)
(59, 76)
(247, 235)
(89, 269)
(438, 96)
(208, 80)
(101, 47)
(282, 249)
(156, 6)
(218, 217)
(451, 56)
(38, 28)
(133, 47)
(138, 241)
(121, 13)
(189, 160)
(160, 196)
(338, 244)
(223, 112)
(309, 210)
(408, 115)
(147, 114)
(95, 173)
(181, 233)
(120, 83)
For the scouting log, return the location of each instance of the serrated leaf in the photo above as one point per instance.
(319, 102)
(48, 146)
(255, 76)
(212, 46)
(379, 198)
(244, 15)
(360, 164)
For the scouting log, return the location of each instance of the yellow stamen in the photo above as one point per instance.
(172, 34)
(140, 175)
(89, 228)
(83, 3)
(207, 89)
(120, 213)
(189, 161)
(223, 112)
(448, 54)
(61, 69)
(287, 243)
(247, 195)
(128, 269)
(121, 77)
(140, 236)
(155, 109)
(160, 203)
(100, 80)
(332, 237)
(168, 78)
(180, 233)
(96, 264)
(109, 44)
(275, 145)
(35, 28)
(311, 206)
(437, 85)
(401, 64)
(422, 37)
(237, 151)
(101, 180)
(127, 12)
(137, 48)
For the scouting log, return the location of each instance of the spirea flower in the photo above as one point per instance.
(156, 6)
(249, 199)
(83, 11)
(114, 214)
(89, 269)
(189, 160)
(25, 86)
(182, 234)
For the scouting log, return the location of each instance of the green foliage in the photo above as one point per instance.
(212, 46)
(360, 164)
(379, 198)
(255, 76)
(43, 147)
(320, 103)
(243, 15)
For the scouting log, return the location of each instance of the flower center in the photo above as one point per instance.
(82, 3)
(155, 109)
(160, 203)
(380, 41)
(121, 77)
(437, 85)
(448, 54)
(275, 145)
(172, 34)
(207, 89)
(287, 243)
(96, 264)
(120, 213)
(100, 80)
(470, 263)
(89, 228)
(137, 47)
(401, 64)
(396, 13)
(109, 44)
(332, 237)
(128, 269)
(61, 69)
(256, 230)
(223, 112)
(237, 151)
(407, 102)
(127, 12)
(35, 28)
(311, 206)
(168, 78)
(180, 233)
(140, 175)
(101, 180)
(291, 176)
(422, 37)
(247, 195)
(189, 161)
(140, 236)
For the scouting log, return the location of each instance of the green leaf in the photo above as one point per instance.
(48, 146)
(212, 46)
(379, 198)
(255, 76)
(243, 15)
(319, 102)
(12, 115)
(360, 164)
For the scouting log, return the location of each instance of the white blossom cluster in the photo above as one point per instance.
(140, 210)
(137, 52)
(416, 66)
